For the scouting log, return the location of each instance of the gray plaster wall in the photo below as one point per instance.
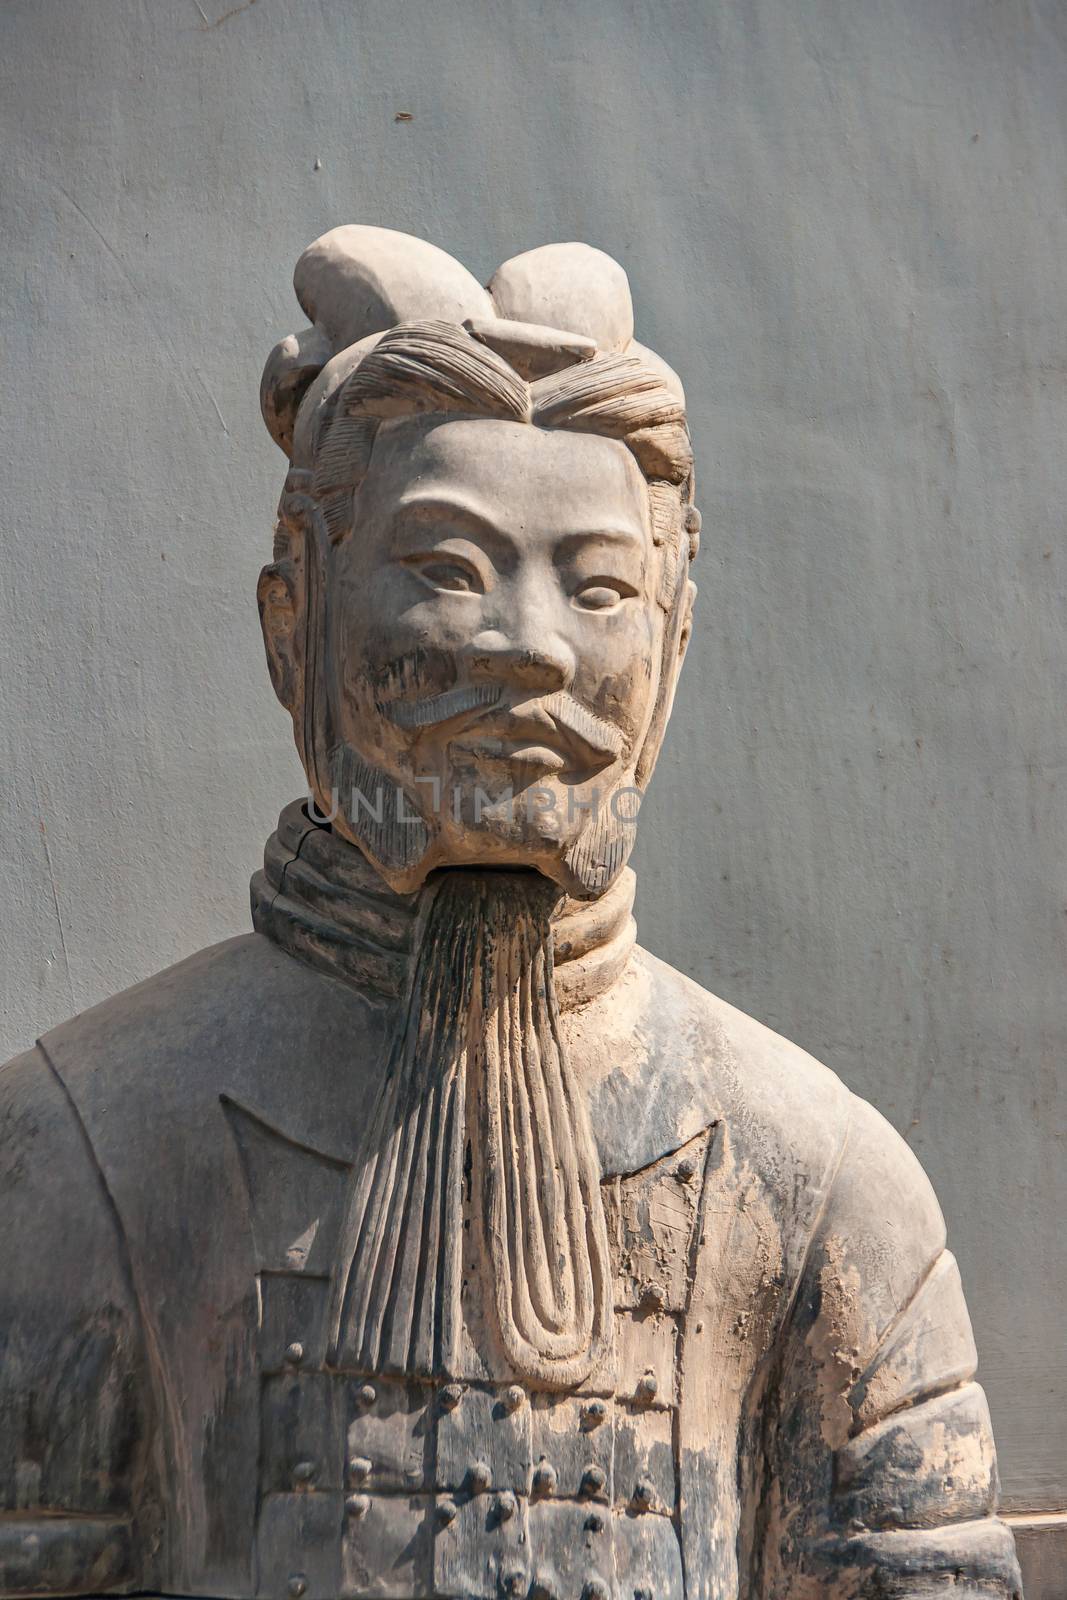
(845, 223)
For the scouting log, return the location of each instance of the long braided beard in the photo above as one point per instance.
(478, 1079)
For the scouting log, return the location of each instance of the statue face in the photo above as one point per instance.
(494, 645)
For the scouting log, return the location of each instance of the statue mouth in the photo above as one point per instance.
(520, 752)
(529, 738)
(551, 734)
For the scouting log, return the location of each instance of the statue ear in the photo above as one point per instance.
(675, 645)
(687, 623)
(684, 635)
(280, 619)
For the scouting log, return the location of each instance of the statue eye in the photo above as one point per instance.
(602, 594)
(451, 575)
(448, 577)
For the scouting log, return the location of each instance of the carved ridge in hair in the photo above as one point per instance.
(619, 392)
(435, 366)
(343, 453)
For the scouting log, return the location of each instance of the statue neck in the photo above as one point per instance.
(319, 899)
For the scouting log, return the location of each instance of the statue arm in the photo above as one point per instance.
(73, 1422)
(879, 1434)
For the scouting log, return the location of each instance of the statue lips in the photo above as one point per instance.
(552, 734)
(540, 738)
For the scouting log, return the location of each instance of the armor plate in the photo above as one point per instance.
(394, 1487)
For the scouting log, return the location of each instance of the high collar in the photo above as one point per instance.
(320, 899)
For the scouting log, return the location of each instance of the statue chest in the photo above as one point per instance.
(403, 1486)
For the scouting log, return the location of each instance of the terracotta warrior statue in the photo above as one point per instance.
(434, 1239)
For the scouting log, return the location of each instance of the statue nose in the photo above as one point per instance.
(540, 667)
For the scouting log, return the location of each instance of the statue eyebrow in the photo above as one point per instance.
(466, 512)
(479, 521)
(627, 535)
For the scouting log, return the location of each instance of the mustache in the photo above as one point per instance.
(435, 708)
(595, 734)
(584, 725)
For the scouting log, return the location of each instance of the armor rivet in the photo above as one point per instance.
(596, 1589)
(297, 1585)
(593, 1480)
(357, 1505)
(594, 1522)
(513, 1397)
(514, 1582)
(644, 1494)
(647, 1388)
(505, 1507)
(451, 1395)
(544, 1478)
(478, 1476)
(294, 1355)
(359, 1469)
(446, 1511)
(685, 1171)
(594, 1413)
(303, 1472)
(366, 1395)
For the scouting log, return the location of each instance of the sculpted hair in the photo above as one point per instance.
(440, 368)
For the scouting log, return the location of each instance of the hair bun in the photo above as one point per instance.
(543, 310)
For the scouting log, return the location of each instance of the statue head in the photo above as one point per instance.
(479, 599)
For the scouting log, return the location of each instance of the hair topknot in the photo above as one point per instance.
(401, 328)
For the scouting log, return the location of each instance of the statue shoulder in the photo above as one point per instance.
(882, 1232)
(683, 1059)
(240, 1020)
(72, 1382)
(780, 1100)
(41, 1138)
(879, 1171)
(180, 1003)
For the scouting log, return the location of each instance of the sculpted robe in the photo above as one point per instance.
(789, 1409)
